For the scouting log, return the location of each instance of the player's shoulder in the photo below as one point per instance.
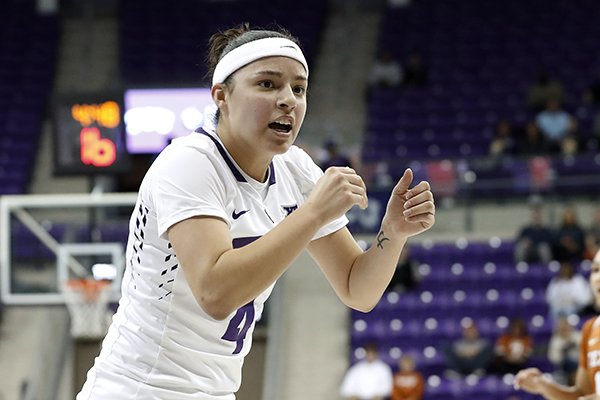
(193, 141)
(192, 156)
(590, 324)
(193, 148)
(296, 160)
(295, 153)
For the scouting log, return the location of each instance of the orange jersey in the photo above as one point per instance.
(514, 347)
(408, 385)
(589, 357)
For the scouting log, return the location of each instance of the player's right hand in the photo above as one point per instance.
(529, 380)
(336, 192)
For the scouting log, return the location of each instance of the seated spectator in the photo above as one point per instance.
(592, 236)
(533, 381)
(543, 89)
(568, 293)
(563, 351)
(558, 127)
(503, 142)
(531, 142)
(386, 72)
(513, 349)
(415, 71)
(406, 276)
(409, 383)
(470, 354)
(369, 379)
(334, 157)
(570, 238)
(534, 241)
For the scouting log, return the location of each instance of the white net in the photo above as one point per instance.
(87, 301)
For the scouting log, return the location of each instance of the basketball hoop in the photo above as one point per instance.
(87, 300)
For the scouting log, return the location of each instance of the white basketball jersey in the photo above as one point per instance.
(161, 344)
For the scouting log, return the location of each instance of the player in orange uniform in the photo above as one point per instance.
(587, 380)
(408, 382)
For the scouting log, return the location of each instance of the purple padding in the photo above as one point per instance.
(26, 246)
(115, 233)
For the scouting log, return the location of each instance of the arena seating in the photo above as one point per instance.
(165, 43)
(28, 47)
(481, 57)
(460, 280)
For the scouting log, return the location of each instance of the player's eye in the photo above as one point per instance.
(266, 84)
(299, 90)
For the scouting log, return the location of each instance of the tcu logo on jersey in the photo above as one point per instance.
(289, 209)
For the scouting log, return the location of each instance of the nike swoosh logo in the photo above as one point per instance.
(235, 215)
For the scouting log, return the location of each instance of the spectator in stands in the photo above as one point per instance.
(503, 142)
(334, 157)
(534, 241)
(368, 379)
(406, 276)
(563, 351)
(570, 238)
(531, 142)
(592, 236)
(470, 354)
(558, 127)
(567, 293)
(532, 380)
(543, 89)
(513, 348)
(386, 72)
(409, 383)
(415, 71)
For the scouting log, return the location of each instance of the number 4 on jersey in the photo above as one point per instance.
(239, 325)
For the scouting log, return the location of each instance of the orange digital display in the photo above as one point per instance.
(95, 150)
(107, 114)
(89, 134)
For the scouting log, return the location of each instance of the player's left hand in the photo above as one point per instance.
(410, 211)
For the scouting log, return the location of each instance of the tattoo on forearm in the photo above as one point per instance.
(380, 239)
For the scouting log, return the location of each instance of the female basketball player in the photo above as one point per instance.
(587, 380)
(220, 216)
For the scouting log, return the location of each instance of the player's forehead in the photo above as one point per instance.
(276, 66)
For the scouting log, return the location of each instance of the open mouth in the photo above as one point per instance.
(281, 127)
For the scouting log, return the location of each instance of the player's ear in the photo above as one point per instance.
(218, 94)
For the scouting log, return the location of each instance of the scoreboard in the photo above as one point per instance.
(89, 135)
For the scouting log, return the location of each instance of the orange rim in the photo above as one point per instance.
(90, 288)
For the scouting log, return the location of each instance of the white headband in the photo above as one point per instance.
(254, 50)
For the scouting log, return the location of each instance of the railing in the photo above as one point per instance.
(471, 184)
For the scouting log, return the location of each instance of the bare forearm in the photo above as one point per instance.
(372, 271)
(239, 275)
(554, 391)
